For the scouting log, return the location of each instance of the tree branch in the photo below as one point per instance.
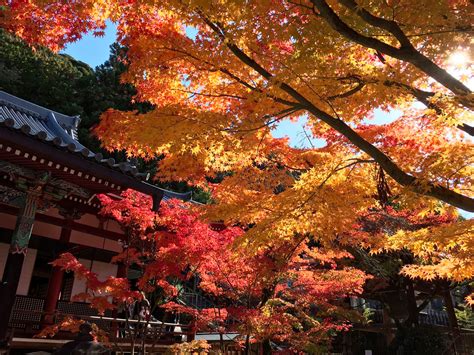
(276, 117)
(423, 97)
(253, 88)
(388, 25)
(392, 169)
(405, 53)
(357, 88)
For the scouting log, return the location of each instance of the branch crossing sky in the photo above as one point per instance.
(95, 51)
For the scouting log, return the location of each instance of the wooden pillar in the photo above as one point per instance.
(412, 305)
(56, 280)
(52, 295)
(452, 319)
(16, 255)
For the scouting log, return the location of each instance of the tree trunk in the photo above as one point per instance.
(453, 321)
(221, 342)
(412, 306)
(266, 347)
(247, 344)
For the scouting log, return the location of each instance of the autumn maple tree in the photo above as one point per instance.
(249, 64)
(294, 294)
(222, 75)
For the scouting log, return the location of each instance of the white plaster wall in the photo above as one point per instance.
(103, 271)
(113, 226)
(46, 230)
(89, 240)
(26, 270)
(54, 212)
(89, 219)
(7, 221)
(94, 241)
(112, 245)
(80, 285)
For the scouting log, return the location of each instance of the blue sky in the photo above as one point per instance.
(93, 50)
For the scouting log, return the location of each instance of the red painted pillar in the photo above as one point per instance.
(52, 296)
(56, 279)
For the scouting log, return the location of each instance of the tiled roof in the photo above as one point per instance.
(60, 130)
(51, 127)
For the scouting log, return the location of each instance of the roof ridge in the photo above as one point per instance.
(71, 122)
(46, 125)
(24, 110)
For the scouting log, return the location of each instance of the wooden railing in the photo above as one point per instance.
(28, 319)
(34, 317)
(429, 317)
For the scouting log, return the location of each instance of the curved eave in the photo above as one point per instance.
(80, 170)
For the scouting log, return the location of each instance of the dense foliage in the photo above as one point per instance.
(53, 80)
(63, 84)
(293, 295)
(222, 74)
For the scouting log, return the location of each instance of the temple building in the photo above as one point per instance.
(48, 205)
